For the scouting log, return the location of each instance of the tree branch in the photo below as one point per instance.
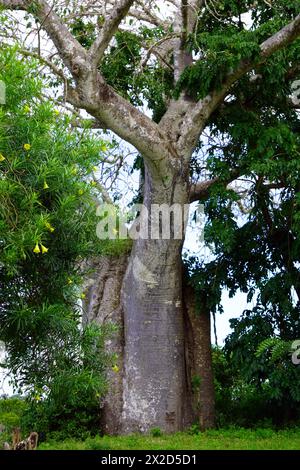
(14, 4)
(56, 70)
(192, 9)
(99, 99)
(128, 122)
(72, 53)
(148, 16)
(200, 191)
(184, 24)
(109, 28)
(280, 39)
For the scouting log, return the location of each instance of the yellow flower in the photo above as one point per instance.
(56, 112)
(115, 368)
(49, 227)
(37, 398)
(93, 183)
(80, 192)
(27, 109)
(36, 249)
(83, 296)
(44, 249)
(95, 168)
(103, 148)
(46, 185)
(2, 158)
(70, 281)
(27, 147)
(74, 171)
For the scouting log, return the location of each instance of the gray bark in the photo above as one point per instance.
(200, 359)
(154, 393)
(154, 382)
(151, 389)
(103, 305)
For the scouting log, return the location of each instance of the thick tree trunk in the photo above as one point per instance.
(153, 387)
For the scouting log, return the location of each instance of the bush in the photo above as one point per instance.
(70, 407)
(11, 412)
(47, 231)
(156, 432)
(239, 402)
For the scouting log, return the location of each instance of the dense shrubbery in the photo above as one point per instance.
(238, 402)
(259, 394)
(47, 230)
(11, 412)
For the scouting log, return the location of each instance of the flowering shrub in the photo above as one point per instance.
(47, 228)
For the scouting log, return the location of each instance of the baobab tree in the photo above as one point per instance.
(153, 386)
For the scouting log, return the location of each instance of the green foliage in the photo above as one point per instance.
(277, 347)
(194, 430)
(264, 361)
(220, 53)
(257, 250)
(239, 402)
(196, 382)
(44, 193)
(115, 247)
(63, 381)
(224, 39)
(11, 412)
(84, 32)
(156, 432)
(124, 70)
(47, 230)
(254, 236)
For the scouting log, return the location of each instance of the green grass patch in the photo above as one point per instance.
(222, 439)
(234, 438)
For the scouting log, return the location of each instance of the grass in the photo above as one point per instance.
(12, 409)
(222, 439)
